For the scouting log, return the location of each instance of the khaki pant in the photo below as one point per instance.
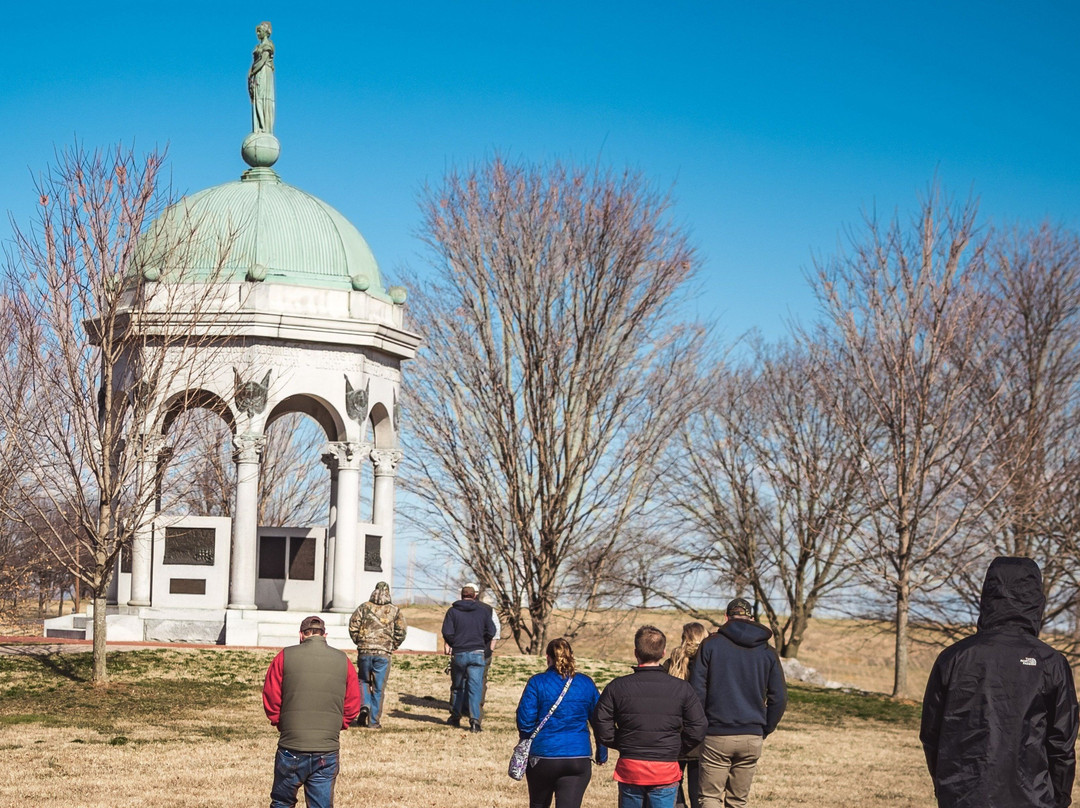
(728, 763)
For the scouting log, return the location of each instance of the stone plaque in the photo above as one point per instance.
(302, 558)
(189, 545)
(373, 554)
(187, 586)
(272, 557)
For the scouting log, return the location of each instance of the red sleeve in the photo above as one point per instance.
(352, 695)
(272, 688)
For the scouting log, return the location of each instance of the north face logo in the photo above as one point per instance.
(1027, 661)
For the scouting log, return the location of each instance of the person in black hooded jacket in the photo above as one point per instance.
(740, 682)
(1000, 714)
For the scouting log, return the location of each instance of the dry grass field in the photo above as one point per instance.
(184, 727)
(852, 652)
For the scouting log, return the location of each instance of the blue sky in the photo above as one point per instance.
(775, 124)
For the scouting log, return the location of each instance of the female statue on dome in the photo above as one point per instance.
(261, 82)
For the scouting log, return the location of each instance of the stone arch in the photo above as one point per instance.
(382, 427)
(320, 410)
(176, 405)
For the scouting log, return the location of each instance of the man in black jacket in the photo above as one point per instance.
(1000, 715)
(467, 631)
(740, 682)
(653, 719)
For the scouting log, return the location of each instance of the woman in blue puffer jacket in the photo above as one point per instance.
(560, 758)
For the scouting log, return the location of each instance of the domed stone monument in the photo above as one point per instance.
(299, 322)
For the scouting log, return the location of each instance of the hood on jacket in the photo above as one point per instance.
(381, 594)
(1012, 595)
(466, 605)
(746, 633)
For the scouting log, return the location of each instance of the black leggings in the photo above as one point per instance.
(564, 778)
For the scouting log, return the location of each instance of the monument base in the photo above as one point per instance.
(255, 628)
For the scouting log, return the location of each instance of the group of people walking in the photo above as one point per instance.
(689, 730)
(999, 723)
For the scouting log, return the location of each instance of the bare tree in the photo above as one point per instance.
(1034, 447)
(292, 481)
(910, 336)
(771, 495)
(84, 375)
(554, 373)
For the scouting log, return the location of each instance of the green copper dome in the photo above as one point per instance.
(260, 229)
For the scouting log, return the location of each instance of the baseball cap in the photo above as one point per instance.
(313, 623)
(740, 607)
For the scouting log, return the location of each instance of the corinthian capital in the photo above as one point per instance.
(247, 448)
(386, 461)
(344, 454)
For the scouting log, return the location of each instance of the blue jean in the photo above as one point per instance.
(647, 796)
(379, 665)
(315, 771)
(467, 682)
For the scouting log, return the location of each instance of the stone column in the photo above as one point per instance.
(347, 456)
(329, 459)
(386, 463)
(247, 450)
(142, 545)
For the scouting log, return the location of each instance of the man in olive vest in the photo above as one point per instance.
(310, 694)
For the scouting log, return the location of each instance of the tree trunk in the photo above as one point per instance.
(789, 648)
(99, 675)
(903, 606)
(539, 615)
(60, 607)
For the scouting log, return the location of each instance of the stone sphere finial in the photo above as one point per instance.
(260, 150)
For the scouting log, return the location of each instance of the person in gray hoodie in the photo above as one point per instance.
(740, 682)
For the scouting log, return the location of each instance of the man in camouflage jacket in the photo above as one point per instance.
(377, 627)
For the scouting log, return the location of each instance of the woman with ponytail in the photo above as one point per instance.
(559, 760)
(678, 664)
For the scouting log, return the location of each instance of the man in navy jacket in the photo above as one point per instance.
(467, 631)
(740, 682)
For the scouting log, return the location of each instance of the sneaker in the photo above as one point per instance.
(374, 725)
(454, 721)
(362, 719)
(474, 726)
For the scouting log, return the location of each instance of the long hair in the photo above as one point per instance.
(692, 636)
(562, 657)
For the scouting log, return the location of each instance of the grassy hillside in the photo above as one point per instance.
(186, 728)
(858, 653)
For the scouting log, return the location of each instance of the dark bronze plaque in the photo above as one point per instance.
(187, 586)
(125, 557)
(373, 554)
(189, 545)
(302, 558)
(272, 557)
